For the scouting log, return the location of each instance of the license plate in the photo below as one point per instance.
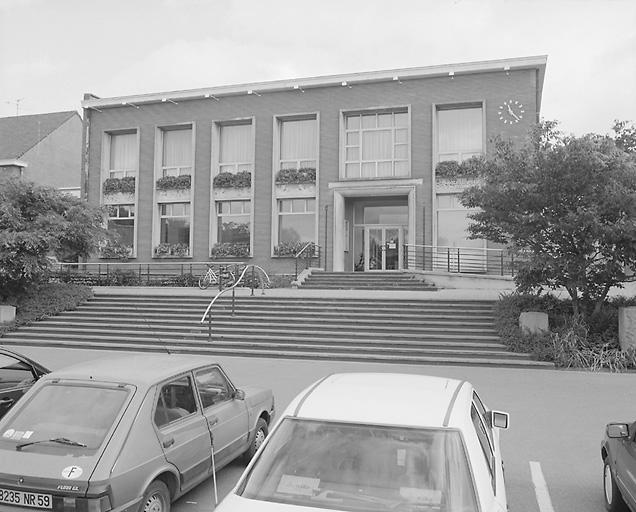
(25, 499)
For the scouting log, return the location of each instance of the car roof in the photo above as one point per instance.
(140, 370)
(386, 398)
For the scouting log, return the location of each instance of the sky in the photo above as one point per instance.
(54, 51)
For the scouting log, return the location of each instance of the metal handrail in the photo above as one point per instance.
(303, 249)
(315, 254)
(207, 311)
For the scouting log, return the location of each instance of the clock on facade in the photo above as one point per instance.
(511, 112)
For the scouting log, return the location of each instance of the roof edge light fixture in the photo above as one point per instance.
(163, 100)
(253, 92)
(344, 83)
(208, 95)
(451, 74)
(507, 70)
(298, 88)
(127, 103)
(397, 79)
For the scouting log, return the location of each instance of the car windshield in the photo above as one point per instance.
(80, 414)
(344, 466)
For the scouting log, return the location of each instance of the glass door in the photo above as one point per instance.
(383, 248)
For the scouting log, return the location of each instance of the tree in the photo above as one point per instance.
(567, 206)
(625, 136)
(38, 222)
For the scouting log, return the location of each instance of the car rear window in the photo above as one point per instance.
(81, 414)
(344, 466)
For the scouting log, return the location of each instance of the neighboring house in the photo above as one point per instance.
(347, 162)
(44, 148)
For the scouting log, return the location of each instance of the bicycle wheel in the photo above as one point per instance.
(206, 280)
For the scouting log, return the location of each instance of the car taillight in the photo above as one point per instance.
(71, 504)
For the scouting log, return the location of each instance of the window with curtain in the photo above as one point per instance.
(376, 144)
(460, 133)
(236, 151)
(298, 143)
(296, 220)
(177, 152)
(175, 223)
(233, 222)
(121, 219)
(122, 160)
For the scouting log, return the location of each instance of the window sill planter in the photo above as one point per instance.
(119, 198)
(232, 193)
(230, 250)
(173, 195)
(290, 249)
(453, 185)
(165, 250)
(296, 190)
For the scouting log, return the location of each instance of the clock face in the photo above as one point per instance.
(511, 112)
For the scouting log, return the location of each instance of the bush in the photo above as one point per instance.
(182, 182)
(570, 342)
(43, 301)
(241, 179)
(119, 185)
(296, 176)
(470, 168)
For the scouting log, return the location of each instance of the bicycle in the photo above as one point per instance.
(212, 278)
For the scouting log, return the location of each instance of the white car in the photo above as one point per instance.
(378, 441)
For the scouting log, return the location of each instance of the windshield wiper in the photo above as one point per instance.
(60, 440)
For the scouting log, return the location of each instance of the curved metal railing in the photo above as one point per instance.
(233, 288)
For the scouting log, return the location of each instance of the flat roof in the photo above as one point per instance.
(533, 62)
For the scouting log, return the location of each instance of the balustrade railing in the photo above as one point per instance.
(460, 259)
(306, 257)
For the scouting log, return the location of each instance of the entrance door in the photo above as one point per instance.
(383, 248)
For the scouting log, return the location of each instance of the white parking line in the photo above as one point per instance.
(540, 488)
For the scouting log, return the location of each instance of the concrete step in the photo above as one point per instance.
(213, 349)
(296, 334)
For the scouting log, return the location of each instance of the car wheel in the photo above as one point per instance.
(156, 498)
(613, 499)
(259, 437)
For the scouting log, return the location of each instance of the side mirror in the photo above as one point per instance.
(499, 419)
(617, 430)
(239, 394)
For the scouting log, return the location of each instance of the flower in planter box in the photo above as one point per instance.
(292, 248)
(241, 179)
(230, 249)
(451, 170)
(124, 185)
(165, 249)
(183, 182)
(296, 176)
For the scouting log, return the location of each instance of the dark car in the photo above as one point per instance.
(17, 375)
(618, 451)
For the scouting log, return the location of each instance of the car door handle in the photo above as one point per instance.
(213, 421)
(167, 443)
(7, 402)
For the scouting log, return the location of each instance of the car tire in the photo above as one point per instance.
(613, 499)
(259, 436)
(156, 498)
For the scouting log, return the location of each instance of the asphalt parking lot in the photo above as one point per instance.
(551, 450)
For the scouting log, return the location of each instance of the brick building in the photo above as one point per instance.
(254, 172)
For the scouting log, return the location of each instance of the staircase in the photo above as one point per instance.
(345, 329)
(376, 280)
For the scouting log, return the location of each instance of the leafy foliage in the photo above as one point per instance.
(43, 301)
(567, 206)
(625, 136)
(36, 222)
(230, 249)
(241, 179)
(167, 250)
(124, 185)
(296, 176)
(182, 182)
(292, 248)
(470, 168)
